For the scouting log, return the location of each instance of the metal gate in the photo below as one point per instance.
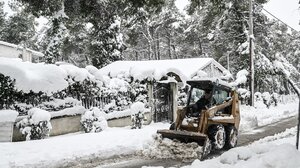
(162, 103)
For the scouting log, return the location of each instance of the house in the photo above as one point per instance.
(14, 51)
(165, 77)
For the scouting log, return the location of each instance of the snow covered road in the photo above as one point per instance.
(84, 150)
(245, 138)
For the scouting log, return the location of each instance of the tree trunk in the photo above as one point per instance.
(169, 44)
(157, 46)
(200, 46)
(174, 49)
(136, 56)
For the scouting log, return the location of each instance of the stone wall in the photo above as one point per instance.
(70, 124)
(6, 131)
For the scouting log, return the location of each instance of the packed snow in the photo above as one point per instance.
(274, 151)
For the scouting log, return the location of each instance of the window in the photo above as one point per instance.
(196, 95)
(220, 95)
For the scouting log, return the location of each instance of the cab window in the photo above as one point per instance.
(196, 94)
(220, 95)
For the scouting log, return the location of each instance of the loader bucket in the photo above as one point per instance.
(184, 136)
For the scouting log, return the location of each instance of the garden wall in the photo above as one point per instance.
(70, 124)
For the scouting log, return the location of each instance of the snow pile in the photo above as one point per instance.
(273, 151)
(8, 115)
(252, 117)
(171, 149)
(288, 133)
(260, 156)
(35, 77)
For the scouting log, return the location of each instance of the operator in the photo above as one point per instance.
(203, 103)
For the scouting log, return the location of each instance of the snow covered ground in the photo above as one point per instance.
(277, 151)
(60, 150)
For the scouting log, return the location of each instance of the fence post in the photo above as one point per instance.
(150, 95)
(298, 125)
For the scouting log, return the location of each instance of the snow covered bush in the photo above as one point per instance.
(138, 91)
(137, 114)
(59, 104)
(257, 96)
(182, 96)
(37, 125)
(94, 120)
(270, 99)
(244, 95)
(118, 93)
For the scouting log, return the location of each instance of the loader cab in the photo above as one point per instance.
(215, 127)
(220, 92)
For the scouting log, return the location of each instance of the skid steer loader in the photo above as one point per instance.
(214, 127)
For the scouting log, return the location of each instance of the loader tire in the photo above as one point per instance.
(216, 134)
(206, 149)
(231, 137)
(172, 127)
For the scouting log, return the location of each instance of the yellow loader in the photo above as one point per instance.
(213, 127)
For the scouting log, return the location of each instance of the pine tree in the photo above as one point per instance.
(56, 35)
(74, 48)
(19, 28)
(2, 19)
(104, 37)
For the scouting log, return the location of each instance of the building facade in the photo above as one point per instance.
(14, 51)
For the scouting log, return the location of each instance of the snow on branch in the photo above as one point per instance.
(241, 78)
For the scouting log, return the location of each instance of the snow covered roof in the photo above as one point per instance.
(17, 47)
(156, 69)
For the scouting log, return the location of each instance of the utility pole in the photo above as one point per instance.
(228, 65)
(251, 53)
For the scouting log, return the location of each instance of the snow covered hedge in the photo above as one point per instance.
(94, 120)
(26, 85)
(36, 125)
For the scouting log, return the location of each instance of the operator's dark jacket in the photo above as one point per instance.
(202, 103)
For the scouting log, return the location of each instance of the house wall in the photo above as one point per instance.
(9, 52)
(212, 71)
(12, 51)
(26, 56)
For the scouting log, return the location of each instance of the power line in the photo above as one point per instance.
(275, 16)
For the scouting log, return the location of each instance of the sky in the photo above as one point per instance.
(286, 10)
